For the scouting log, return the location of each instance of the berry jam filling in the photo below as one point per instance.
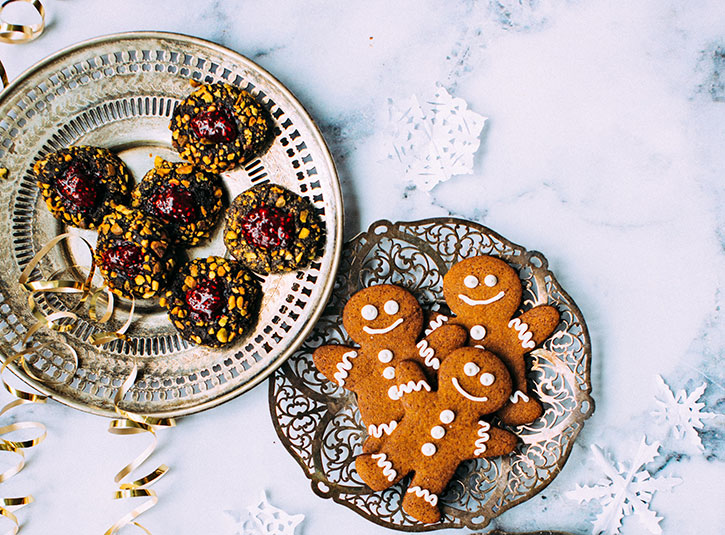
(175, 204)
(125, 258)
(78, 187)
(206, 299)
(216, 126)
(268, 226)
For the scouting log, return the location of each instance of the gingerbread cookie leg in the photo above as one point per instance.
(421, 497)
(378, 471)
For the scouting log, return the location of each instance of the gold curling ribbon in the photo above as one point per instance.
(133, 424)
(21, 33)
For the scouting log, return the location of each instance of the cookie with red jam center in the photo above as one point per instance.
(212, 301)
(219, 127)
(134, 253)
(81, 184)
(188, 199)
(271, 229)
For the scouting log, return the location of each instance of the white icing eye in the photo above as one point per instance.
(487, 379)
(385, 356)
(428, 449)
(389, 372)
(490, 280)
(478, 332)
(369, 312)
(447, 416)
(471, 369)
(470, 281)
(437, 432)
(391, 307)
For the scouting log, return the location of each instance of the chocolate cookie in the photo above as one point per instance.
(133, 253)
(270, 230)
(187, 198)
(81, 184)
(212, 301)
(220, 126)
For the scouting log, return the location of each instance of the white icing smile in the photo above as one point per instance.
(462, 392)
(476, 302)
(384, 330)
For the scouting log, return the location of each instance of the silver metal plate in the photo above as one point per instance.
(119, 92)
(319, 422)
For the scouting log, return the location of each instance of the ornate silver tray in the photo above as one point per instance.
(318, 421)
(118, 92)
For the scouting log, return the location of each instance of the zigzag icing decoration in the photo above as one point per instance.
(525, 335)
(386, 465)
(396, 392)
(436, 323)
(483, 435)
(519, 396)
(428, 354)
(343, 367)
(378, 430)
(425, 494)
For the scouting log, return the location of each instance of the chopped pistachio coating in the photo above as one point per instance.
(82, 184)
(213, 301)
(188, 199)
(134, 253)
(299, 239)
(219, 127)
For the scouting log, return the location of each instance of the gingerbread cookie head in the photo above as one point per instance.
(474, 379)
(480, 287)
(381, 313)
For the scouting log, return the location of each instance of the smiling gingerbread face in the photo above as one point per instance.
(482, 286)
(383, 312)
(475, 378)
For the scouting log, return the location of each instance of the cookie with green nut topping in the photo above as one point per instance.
(271, 229)
(212, 301)
(81, 184)
(220, 126)
(188, 199)
(134, 253)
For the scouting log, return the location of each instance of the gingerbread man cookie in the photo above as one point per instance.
(440, 428)
(386, 322)
(485, 293)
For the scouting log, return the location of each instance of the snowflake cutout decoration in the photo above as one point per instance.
(682, 412)
(434, 140)
(625, 490)
(264, 519)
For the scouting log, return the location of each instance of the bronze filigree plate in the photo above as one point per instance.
(319, 423)
(119, 92)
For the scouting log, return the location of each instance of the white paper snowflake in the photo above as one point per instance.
(625, 490)
(434, 140)
(263, 519)
(682, 413)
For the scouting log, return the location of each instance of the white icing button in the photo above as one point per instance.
(490, 280)
(471, 369)
(389, 372)
(437, 432)
(478, 332)
(447, 416)
(470, 281)
(391, 307)
(369, 312)
(428, 449)
(385, 356)
(487, 379)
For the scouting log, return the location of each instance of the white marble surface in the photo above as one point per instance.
(604, 150)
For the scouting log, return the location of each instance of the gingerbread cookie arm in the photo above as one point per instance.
(440, 342)
(489, 441)
(337, 363)
(535, 325)
(411, 385)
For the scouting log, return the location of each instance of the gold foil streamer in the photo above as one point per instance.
(21, 33)
(133, 424)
